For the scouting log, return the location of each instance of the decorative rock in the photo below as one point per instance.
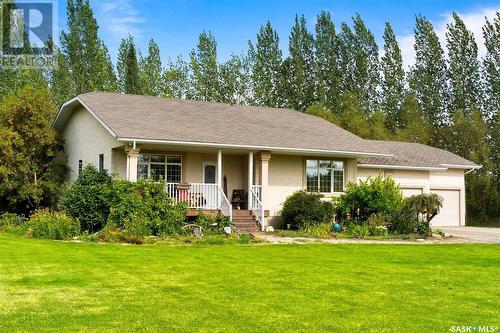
(227, 230)
(269, 228)
(437, 236)
(420, 240)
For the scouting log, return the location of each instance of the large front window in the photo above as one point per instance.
(159, 167)
(325, 176)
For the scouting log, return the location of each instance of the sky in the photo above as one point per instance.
(176, 24)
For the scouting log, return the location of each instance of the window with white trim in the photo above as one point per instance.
(159, 167)
(325, 176)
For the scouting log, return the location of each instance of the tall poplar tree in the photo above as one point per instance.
(428, 76)
(491, 65)
(266, 61)
(393, 79)
(463, 67)
(176, 79)
(301, 48)
(327, 68)
(151, 71)
(204, 68)
(347, 59)
(87, 58)
(121, 62)
(366, 70)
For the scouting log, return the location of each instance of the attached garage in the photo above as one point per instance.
(449, 215)
(418, 169)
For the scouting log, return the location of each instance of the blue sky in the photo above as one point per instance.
(176, 24)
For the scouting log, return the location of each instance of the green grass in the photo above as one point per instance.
(61, 286)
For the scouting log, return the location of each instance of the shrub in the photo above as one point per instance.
(52, 225)
(86, 200)
(213, 224)
(302, 209)
(416, 213)
(317, 231)
(144, 207)
(11, 220)
(358, 230)
(114, 234)
(373, 196)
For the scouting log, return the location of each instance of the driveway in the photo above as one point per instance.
(475, 234)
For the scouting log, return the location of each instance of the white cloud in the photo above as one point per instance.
(474, 21)
(119, 18)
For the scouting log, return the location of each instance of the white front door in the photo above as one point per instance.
(210, 193)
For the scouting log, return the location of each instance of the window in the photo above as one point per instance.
(80, 167)
(324, 176)
(101, 162)
(159, 167)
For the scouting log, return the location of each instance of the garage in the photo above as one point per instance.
(449, 215)
(408, 192)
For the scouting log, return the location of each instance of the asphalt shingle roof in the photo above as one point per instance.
(413, 154)
(156, 118)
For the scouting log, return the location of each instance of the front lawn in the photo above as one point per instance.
(63, 286)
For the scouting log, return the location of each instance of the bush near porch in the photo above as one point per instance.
(97, 207)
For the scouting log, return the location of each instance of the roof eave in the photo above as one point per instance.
(401, 167)
(354, 154)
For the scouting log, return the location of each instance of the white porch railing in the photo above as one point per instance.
(200, 196)
(257, 207)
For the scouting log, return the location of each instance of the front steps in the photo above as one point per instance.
(244, 221)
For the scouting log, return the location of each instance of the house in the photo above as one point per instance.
(242, 160)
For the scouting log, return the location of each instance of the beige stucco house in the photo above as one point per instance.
(233, 158)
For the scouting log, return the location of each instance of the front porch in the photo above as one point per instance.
(210, 181)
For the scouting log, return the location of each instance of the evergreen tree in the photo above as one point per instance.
(204, 68)
(132, 82)
(428, 77)
(463, 67)
(327, 67)
(302, 81)
(491, 64)
(393, 82)
(176, 79)
(366, 66)
(266, 65)
(151, 71)
(85, 54)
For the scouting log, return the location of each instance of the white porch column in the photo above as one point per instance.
(250, 178)
(219, 168)
(132, 161)
(265, 156)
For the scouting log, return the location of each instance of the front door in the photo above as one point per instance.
(209, 173)
(210, 192)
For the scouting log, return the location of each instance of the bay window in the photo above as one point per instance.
(159, 167)
(325, 176)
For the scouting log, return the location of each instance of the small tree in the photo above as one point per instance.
(86, 199)
(423, 206)
(372, 196)
(30, 176)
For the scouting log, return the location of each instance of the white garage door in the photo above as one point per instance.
(408, 192)
(449, 215)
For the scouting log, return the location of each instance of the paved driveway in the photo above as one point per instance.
(476, 234)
